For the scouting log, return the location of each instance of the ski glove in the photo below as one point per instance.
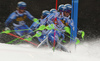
(82, 33)
(7, 28)
(36, 20)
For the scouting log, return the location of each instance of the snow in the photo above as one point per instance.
(85, 51)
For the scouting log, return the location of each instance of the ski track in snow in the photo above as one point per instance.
(85, 51)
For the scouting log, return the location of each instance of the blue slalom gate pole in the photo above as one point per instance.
(72, 12)
(74, 17)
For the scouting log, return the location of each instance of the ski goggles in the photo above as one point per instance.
(68, 11)
(22, 8)
(61, 11)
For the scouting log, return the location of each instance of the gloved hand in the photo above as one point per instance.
(67, 29)
(7, 28)
(38, 34)
(82, 33)
(28, 36)
(36, 20)
(79, 32)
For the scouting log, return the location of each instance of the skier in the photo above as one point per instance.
(45, 13)
(67, 19)
(50, 33)
(61, 9)
(41, 21)
(18, 17)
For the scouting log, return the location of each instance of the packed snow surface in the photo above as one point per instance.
(85, 51)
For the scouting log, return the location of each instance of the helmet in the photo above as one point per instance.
(53, 10)
(68, 7)
(45, 13)
(21, 5)
(61, 8)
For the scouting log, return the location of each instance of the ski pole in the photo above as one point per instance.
(22, 39)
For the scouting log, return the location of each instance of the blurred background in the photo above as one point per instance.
(88, 14)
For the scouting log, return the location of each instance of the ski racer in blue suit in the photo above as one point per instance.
(61, 9)
(67, 12)
(44, 32)
(17, 19)
(36, 24)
